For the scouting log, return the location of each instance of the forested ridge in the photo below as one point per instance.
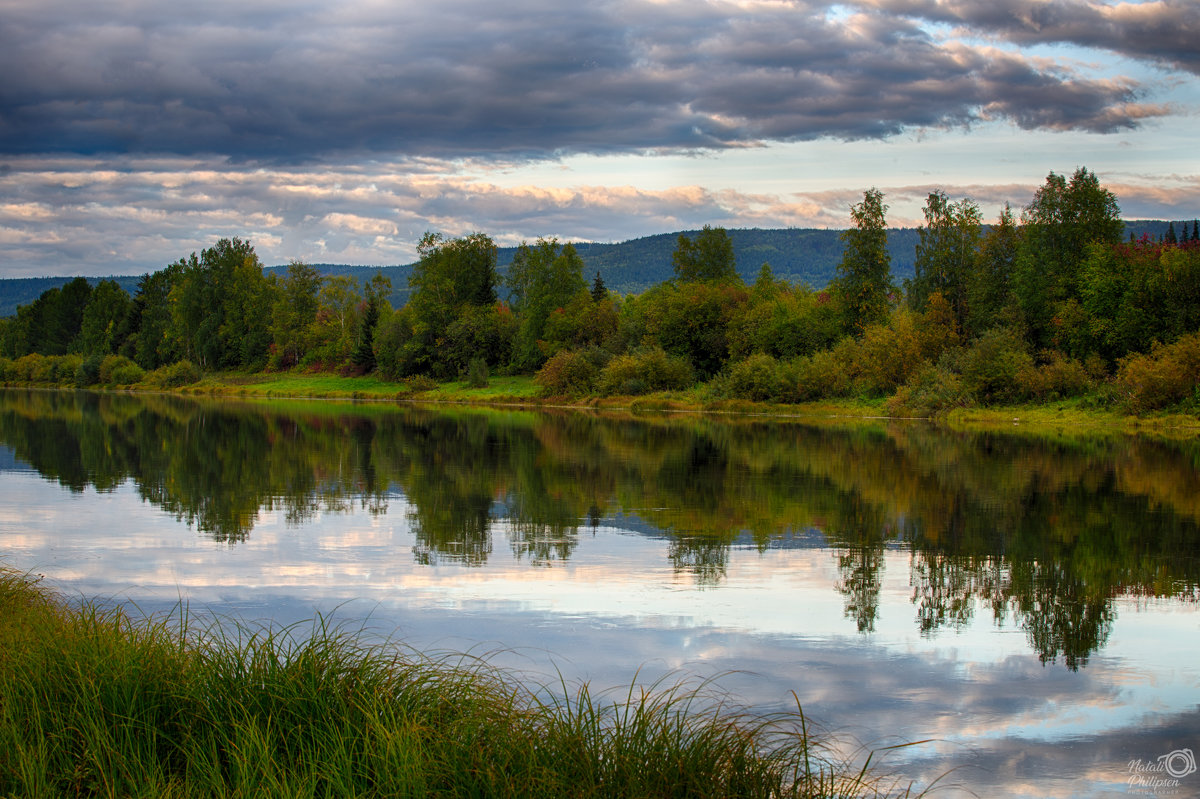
(1056, 300)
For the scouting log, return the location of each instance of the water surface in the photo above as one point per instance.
(1029, 602)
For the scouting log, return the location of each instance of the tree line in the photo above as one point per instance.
(1051, 303)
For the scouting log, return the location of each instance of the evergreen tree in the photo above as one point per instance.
(1170, 238)
(363, 356)
(599, 290)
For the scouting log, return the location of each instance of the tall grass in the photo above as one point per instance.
(95, 704)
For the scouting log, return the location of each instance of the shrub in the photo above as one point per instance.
(88, 373)
(932, 390)
(8, 369)
(568, 373)
(1057, 376)
(991, 364)
(127, 374)
(645, 371)
(827, 373)
(477, 373)
(1166, 375)
(180, 373)
(110, 364)
(419, 383)
(25, 367)
(758, 377)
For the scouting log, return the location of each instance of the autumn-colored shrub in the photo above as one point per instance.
(26, 366)
(127, 374)
(1056, 376)
(928, 392)
(1168, 374)
(645, 371)
(568, 373)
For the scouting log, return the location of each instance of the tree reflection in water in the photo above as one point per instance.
(1043, 531)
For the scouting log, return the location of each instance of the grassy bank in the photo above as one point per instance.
(1078, 413)
(95, 704)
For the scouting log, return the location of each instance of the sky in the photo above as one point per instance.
(134, 132)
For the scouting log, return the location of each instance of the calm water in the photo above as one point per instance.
(1030, 603)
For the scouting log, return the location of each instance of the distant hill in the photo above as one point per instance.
(796, 254)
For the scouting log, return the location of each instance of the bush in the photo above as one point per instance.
(645, 371)
(419, 383)
(568, 373)
(88, 373)
(932, 390)
(8, 371)
(477, 373)
(127, 374)
(827, 373)
(110, 364)
(758, 377)
(991, 364)
(26, 366)
(1168, 374)
(1057, 376)
(180, 373)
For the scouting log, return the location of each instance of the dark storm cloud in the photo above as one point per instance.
(532, 78)
(1166, 31)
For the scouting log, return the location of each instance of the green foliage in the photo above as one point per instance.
(1059, 223)
(568, 373)
(1136, 294)
(993, 363)
(784, 321)
(1055, 377)
(826, 373)
(946, 254)
(707, 257)
(88, 373)
(220, 306)
(294, 315)
(931, 390)
(180, 373)
(583, 322)
(94, 703)
(989, 287)
(105, 322)
(477, 372)
(1168, 374)
(759, 377)
(109, 366)
(692, 320)
(645, 371)
(479, 331)
(451, 277)
(542, 280)
(864, 280)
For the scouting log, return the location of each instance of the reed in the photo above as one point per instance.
(94, 703)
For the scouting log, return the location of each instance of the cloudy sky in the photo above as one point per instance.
(133, 132)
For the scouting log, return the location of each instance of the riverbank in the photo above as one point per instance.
(1087, 413)
(1076, 414)
(95, 702)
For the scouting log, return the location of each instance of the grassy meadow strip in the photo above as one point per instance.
(93, 703)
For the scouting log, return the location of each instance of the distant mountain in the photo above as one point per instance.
(796, 254)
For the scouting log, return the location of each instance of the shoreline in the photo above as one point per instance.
(520, 393)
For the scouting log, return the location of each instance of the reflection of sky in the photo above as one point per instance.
(774, 624)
